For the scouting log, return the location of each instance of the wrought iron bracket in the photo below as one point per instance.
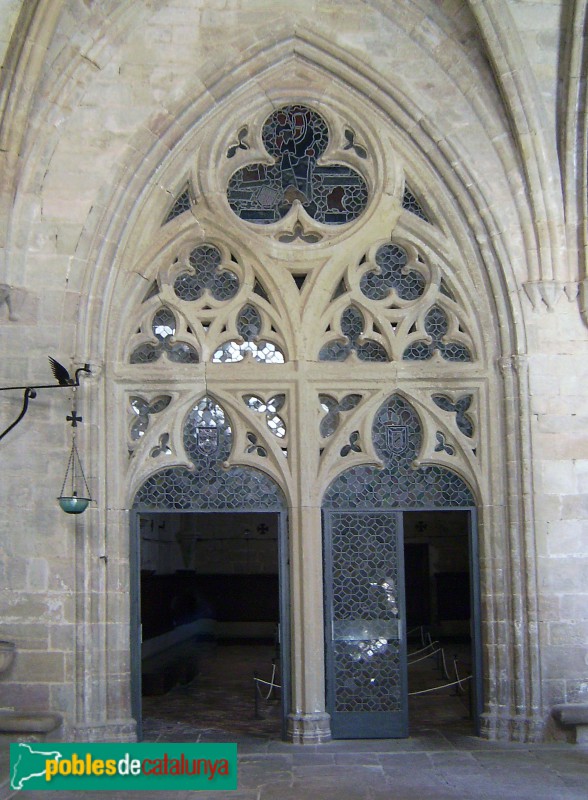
(30, 392)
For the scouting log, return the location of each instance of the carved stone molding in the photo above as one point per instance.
(546, 294)
(514, 363)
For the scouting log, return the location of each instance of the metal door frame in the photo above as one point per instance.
(135, 604)
(475, 618)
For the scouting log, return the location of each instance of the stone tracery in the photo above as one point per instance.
(395, 303)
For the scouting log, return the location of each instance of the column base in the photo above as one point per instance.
(308, 728)
(512, 728)
(114, 731)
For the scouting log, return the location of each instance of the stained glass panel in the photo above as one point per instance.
(366, 644)
(205, 261)
(459, 408)
(392, 274)
(163, 327)
(143, 409)
(248, 328)
(182, 203)
(208, 440)
(396, 433)
(352, 326)
(296, 136)
(410, 203)
(333, 409)
(436, 327)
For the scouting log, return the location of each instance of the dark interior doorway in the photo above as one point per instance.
(209, 603)
(441, 624)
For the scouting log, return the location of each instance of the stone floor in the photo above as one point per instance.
(441, 760)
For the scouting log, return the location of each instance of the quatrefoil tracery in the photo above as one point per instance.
(333, 409)
(142, 409)
(460, 407)
(268, 409)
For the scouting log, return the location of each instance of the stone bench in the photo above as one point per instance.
(576, 715)
(28, 724)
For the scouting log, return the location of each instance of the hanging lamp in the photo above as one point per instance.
(75, 492)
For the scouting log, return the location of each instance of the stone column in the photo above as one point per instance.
(308, 722)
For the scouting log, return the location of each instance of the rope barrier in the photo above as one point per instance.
(269, 683)
(422, 649)
(422, 658)
(436, 688)
(423, 636)
(445, 672)
(457, 674)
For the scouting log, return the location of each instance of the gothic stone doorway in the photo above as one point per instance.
(202, 581)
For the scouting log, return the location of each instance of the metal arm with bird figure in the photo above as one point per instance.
(64, 381)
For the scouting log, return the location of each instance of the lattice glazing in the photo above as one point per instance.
(367, 686)
(249, 322)
(163, 327)
(207, 431)
(391, 260)
(270, 411)
(208, 440)
(436, 327)
(249, 328)
(352, 326)
(143, 409)
(182, 203)
(296, 136)
(396, 434)
(330, 422)
(410, 203)
(365, 611)
(459, 408)
(238, 489)
(205, 261)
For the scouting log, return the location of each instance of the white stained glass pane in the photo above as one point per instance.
(256, 404)
(139, 427)
(229, 353)
(276, 425)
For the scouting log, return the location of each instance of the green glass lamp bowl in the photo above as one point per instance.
(73, 504)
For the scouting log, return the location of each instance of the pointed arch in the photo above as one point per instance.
(129, 214)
